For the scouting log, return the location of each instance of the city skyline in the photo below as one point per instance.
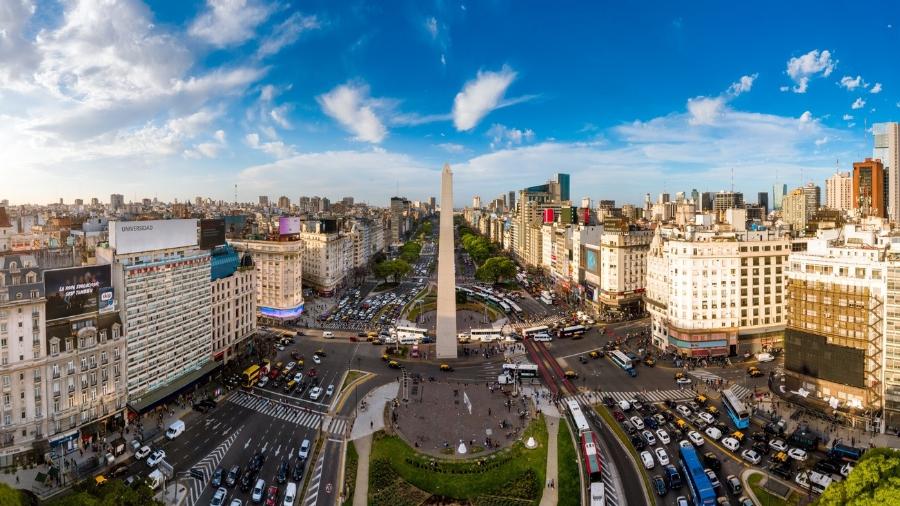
(285, 99)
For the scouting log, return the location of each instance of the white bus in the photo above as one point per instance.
(525, 370)
(546, 300)
(598, 497)
(543, 329)
(410, 335)
(515, 307)
(485, 335)
(577, 416)
(622, 360)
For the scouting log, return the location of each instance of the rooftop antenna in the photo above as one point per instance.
(732, 180)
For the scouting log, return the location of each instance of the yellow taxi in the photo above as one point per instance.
(100, 479)
(738, 435)
(385, 356)
(393, 364)
(681, 424)
(570, 374)
(780, 457)
(701, 400)
(446, 367)
(712, 410)
(594, 354)
(679, 375)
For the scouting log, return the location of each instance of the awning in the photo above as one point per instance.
(166, 393)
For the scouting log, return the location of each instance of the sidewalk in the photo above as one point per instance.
(551, 492)
(361, 490)
(371, 419)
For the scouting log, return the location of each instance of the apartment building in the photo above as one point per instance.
(327, 256)
(623, 269)
(279, 276)
(233, 300)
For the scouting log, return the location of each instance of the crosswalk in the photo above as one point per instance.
(741, 391)
(703, 375)
(650, 395)
(296, 415)
(312, 492)
(206, 467)
(609, 484)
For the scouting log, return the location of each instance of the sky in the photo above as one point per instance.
(210, 98)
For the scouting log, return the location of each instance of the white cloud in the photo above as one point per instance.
(822, 141)
(451, 147)
(480, 96)
(443, 59)
(806, 117)
(802, 68)
(351, 106)
(286, 33)
(16, 52)
(705, 110)
(505, 137)
(229, 22)
(852, 83)
(876, 88)
(744, 84)
(784, 88)
(859, 103)
(431, 25)
(279, 115)
(278, 149)
(847, 117)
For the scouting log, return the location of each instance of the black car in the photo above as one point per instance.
(711, 461)
(773, 428)
(247, 482)
(256, 462)
(234, 475)
(582, 359)
(660, 485)
(650, 422)
(217, 477)
(759, 436)
(670, 403)
(722, 427)
(827, 467)
(200, 407)
(761, 447)
(297, 474)
(668, 416)
(209, 403)
(783, 470)
(118, 470)
(283, 469)
(638, 442)
(608, 401)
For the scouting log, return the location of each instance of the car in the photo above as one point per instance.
(393, 364)
(217, 477)
(154, 459)
(638, 442)
(637, 422)
(649, 437)
(683, 410)
(647, 460)
(619, 416)
(290, 366)
(783, 470)
(681, 501)
(797, 454)
(256, 462)
(663, 436)
(608, 401)
(625, 406)
(759, 436)
(596, 354)
(712, 410)
(760, 447)
(218, 498)
(659, 485)
(650, 422)
(283, 470)
(258, 491)
(329, 391)
(316, 359)
(684, 443)
(827, 467)
(298, 377)
(751, 457)
(745, 501)
(778, 445)
(730, 443)
(754, 372)
(662, 456)
(315, 393)
(629, 427)
(272, 496)
(714, 433)
(846, 469)
(303, 452)
(143, 452)
(712, 461)
(636, 404)
(706, 417)
(328, 334)
(713, 479)
(297, 473)
(683, 381)
(234, 475)
(582, 359)
(695, 438)
(734, 484)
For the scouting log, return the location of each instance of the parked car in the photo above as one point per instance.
(734, 484)
(217, 477)
(157, 456)
(797, 454)
(143, 452)
(730, 443)
(713, 479)
(662, 456)
(778, 445)
(649, 437)
(659, 485)
(663, 436)
(218, 498)
(751, 457)
(303, 452)
(647, 460)
(234, 475)
(710, 459)
(695, 438)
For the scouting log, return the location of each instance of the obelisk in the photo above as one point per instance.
(446, 286)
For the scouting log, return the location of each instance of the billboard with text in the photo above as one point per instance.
(212, 233)
(138, 236)
(288, 225)
(78, 290)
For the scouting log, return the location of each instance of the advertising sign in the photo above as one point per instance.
(77, 291)
(212, 233)
(591, 260)
(288, 225)
(136, 236)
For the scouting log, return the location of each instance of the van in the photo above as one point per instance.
(175, 429)
(290, 494)
(765, 357)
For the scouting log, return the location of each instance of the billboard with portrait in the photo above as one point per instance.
(288, 225)
(78, 290)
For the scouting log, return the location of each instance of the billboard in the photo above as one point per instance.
(78, 290)
(136, 236)
(212, 233)
(288, 225)
(590, 261)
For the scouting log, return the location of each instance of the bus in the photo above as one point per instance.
(543, 329)
(591, 456)
(410, 335)
(701, 490)
(577, 417)
(515, 307)
(573, 331)
(546, 300)
(250, 376)
(485, 335)
(524, 370)
(598, 496)
(622, 360)
(736, 409)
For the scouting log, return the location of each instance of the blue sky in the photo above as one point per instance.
(179, 99)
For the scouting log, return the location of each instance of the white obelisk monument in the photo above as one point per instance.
(446, 286)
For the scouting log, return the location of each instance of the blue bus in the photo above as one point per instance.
(701, 490)
(624, 361)
(739, 413)
(846, 453)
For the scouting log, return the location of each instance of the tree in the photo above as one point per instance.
(383, 270)
(494, 269)
(399, 269)
(875, 480)
(9, 495)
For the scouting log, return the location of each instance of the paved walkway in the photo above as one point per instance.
(551, 494)
(361, 490)
(371, 419)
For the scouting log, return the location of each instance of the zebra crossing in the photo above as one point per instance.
(609, 483)
(312, 492)
(702, 375)
(741, 391)
(292, 414)
(206, 467)
(650, 395)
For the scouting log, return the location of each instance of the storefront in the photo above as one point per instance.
(64, 444)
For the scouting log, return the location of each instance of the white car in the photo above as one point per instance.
(751, 457)
(303, 452)
(683, 381)
(143, 452)
(316, 359)
(329, 391)
(684, 443)
(624, 406)
(298, 377)
(258, 490)
(730, 443)
(637, 422)
(647, 460)
(663, 436)
(695, 438)
(315, 393)
(328, 334)
(154, 459)
(778, 445)
(648, 437)
(713, 433)
(713, 479)
(765, 357)
(683, 410)
(846, 469)
(236, 502)
(218, 499)
(662, 456)
(289, 366)
(706, 417)
(797, 454)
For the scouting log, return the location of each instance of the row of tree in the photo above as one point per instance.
(391, 269)
(495, 270)
(875, 480)
(478, 247)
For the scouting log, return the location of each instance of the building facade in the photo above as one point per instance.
(839, 191)
(887, 149)
(279, 276)
(868, 188)
(327, 256)
(623, 269)
(233, 299)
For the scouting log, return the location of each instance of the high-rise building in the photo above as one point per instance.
(762, 200)
(839, 191)
(399, 219)
(794, 210)
(868, 188)
(779, 190)
(887, 149)
(511, 200)
(563, 181)
(263, 200)
(284, 202)
(279, 277)
(695, 197)
(233, 297)
(725, 200)
(663, 198)
(161, 279)
(79, 202)
(116, 201)
(706, 201)
(813, 195)
(476, 202)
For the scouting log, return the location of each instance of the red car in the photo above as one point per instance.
(619, 416)
(312, 373)
(272, 496)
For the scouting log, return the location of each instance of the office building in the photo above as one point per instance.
(779, 191)
(868, 188)
(839, 191)
(727, 200)
(233, 298)
(116, 201)
(327, 256)
(563, 181)
(284, 202)
(813, 195)
(794, 210)
(279, 277)
(263, 201)
(615, 267)
(887, 149)
(762, 200)
(476, 202)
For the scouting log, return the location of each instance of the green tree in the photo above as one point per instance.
(400, 269)
(495, 269)
(9, 495)
(384, 270)
(875, 480)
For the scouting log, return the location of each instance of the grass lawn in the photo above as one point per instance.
(767, 499)
(351, 377)
(351, 460)
(626, 441)
(567, 464)
(514, 476)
